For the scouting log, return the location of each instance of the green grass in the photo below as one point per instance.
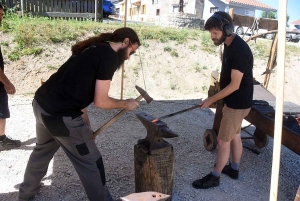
(293, 50)
(32, 51)
(260, 48)
(174, 53)
(30, 33)
(167, 49)
(4, 44)
(193, 47)
(197, 68)
(29, 30)
(18, 52)
(206, 43)
(52, 67)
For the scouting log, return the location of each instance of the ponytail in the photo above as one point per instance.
(117, 36)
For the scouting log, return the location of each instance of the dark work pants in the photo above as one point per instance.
(76, 139)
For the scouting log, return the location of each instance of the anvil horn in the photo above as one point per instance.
(167, 133)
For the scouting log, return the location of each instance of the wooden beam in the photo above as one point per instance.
(272, 58)
(231, 12)
(280, 75)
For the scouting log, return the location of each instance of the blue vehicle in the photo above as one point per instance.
(108, 8)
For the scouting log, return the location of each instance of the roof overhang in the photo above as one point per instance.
(247, 4)
(250, 6)
(136, 2)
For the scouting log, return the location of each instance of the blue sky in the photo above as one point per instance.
(293, 9)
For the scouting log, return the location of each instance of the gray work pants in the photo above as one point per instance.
(76, 139)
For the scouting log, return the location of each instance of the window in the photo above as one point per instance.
(157, 11)
(176, 9)
(143, 9)
(249, 13)
(123, 5)
(214, 9)
(154, 1)
(135, 11)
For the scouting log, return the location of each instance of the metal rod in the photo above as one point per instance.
(179, 112)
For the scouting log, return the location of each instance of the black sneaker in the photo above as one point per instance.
(207, 182)
(233, 174)
(8, 143)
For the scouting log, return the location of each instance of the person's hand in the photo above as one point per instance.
(146, 196)
(206, 103)
(131, 104)
(10, 88)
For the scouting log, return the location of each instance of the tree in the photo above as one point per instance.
(272, 15)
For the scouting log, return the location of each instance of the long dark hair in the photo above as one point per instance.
(117, 36)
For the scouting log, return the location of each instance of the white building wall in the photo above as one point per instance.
(212, 3)
(239, 10)
(243, 11)
(165, 7)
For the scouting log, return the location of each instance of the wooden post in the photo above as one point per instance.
(122, 74)
(280, 75)
(154, 170)
(96, 5)
(231, 13)
(272, 58)
(22, 8)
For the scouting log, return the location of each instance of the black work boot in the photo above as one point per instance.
(207, 182)
(8, 143)
(233, 174)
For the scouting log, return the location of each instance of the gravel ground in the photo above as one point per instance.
(116, 145)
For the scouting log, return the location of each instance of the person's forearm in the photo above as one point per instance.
(111, 103)
(229, 89)
(3, 78)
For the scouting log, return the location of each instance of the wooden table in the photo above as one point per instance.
(264, 124)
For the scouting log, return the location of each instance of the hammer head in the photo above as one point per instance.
(144, 94)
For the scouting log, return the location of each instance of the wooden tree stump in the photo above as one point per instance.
(154, 170)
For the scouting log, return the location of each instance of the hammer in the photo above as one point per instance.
(144, 95)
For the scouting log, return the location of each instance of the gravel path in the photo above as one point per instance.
(116, 145)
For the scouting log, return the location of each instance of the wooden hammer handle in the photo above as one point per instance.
(107, 124)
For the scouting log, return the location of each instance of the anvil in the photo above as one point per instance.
(156, 131)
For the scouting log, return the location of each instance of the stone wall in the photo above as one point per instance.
(180, 20)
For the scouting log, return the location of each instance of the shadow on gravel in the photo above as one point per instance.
(28, 144)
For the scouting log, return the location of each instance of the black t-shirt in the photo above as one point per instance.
(1, 66)
(238, 56)
(72, 87)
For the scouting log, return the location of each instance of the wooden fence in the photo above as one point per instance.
(66, 9)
